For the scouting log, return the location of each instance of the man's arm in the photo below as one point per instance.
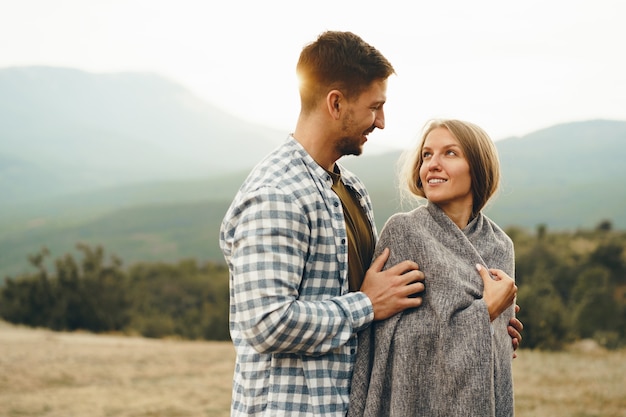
(269, 247)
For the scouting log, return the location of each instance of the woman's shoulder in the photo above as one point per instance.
(495, 227)
(498, 235)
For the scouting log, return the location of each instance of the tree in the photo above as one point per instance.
(604, 226)
(545, 322)
(89, 296)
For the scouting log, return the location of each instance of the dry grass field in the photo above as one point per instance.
(49, 374)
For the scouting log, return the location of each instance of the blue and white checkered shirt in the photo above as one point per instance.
(292, 320)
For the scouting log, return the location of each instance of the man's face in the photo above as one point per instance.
(362, 116)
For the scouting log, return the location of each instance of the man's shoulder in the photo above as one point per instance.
(284, 180)
(270, 168)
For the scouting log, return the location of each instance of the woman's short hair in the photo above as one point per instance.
(481, 155)
(341, 61)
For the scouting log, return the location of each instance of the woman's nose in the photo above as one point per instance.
(433, 162)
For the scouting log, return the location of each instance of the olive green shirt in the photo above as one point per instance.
(360, 237)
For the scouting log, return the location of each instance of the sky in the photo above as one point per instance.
(510, 67)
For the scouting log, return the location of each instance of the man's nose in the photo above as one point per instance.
(379, 122)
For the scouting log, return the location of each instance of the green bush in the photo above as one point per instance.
(153, 300)
(572, 285)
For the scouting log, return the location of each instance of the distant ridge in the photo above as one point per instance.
(86, 130)
(140, 165)
(566, 176)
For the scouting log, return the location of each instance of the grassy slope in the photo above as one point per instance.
(166, 232)
(49, 374)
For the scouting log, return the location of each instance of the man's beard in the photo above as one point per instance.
(349, 145)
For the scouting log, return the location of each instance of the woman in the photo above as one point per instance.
(452, 355)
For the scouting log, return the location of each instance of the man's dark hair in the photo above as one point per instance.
(341, 61)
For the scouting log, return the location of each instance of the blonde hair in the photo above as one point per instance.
(479, 150)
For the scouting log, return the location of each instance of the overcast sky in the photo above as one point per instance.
(510, 66)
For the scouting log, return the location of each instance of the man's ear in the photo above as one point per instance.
(334, 103)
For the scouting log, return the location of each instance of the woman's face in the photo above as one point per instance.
(445, 172)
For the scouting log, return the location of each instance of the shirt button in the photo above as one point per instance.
(352, 351)
(336, 204)
(343, 241)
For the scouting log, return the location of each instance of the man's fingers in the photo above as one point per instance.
(515, 335)
(407, 268)
(413, 276)
(517, 326)
(414, 302)
(378, 263)
(413, 289)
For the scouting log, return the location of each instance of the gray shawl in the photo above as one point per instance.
(443, 358)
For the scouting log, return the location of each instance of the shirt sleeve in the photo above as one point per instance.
(270, 245)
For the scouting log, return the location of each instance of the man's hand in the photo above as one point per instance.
(389, 290)
(515, 331)
(499, 292)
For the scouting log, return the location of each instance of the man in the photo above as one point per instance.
(299, 237)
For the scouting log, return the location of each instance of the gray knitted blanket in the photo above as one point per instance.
(443, 358)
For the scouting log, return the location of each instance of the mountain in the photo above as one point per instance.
(139, 165)
(64, 130)
(567, 176)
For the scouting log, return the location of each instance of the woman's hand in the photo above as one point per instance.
(499, 290)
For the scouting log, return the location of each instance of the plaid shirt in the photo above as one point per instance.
(292, 320)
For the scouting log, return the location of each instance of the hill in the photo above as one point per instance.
(565, 177)
(136, 163)
(65, 130)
